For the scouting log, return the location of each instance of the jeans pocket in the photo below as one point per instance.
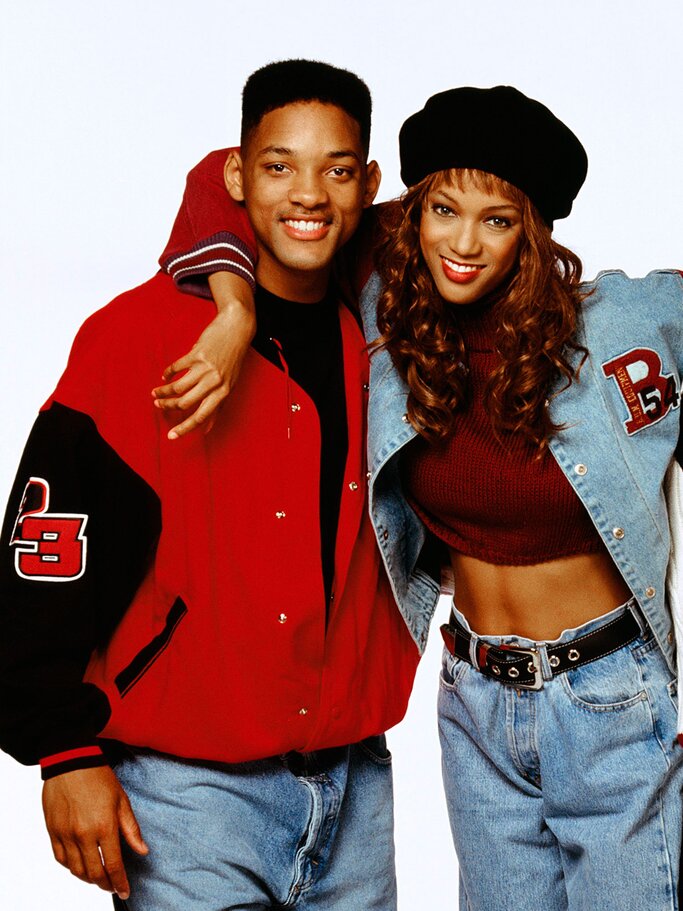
(452, 671)
(610, 684)
(376, 749)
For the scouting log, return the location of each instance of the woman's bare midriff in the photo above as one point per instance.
(539, 601)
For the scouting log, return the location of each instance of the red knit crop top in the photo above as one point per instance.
(496, 502)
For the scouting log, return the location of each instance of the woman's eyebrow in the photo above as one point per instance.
(492, 208)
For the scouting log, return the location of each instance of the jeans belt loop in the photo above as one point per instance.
(632, 606)
(474, 643)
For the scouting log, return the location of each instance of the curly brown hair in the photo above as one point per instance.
(537, 311)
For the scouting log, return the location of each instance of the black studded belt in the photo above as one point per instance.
(521, 667)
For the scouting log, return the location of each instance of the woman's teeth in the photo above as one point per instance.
(459, 267)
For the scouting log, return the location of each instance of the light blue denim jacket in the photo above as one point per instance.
(620, 431)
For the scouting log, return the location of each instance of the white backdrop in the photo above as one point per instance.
(104, 107)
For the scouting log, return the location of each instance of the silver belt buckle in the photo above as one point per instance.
(533, 665)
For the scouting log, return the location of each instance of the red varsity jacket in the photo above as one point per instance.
(169, 594)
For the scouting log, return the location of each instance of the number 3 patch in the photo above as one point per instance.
(50, 546)
(649, 394)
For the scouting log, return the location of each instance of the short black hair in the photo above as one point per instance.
(289, 81)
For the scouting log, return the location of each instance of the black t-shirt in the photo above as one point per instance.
(310, 336)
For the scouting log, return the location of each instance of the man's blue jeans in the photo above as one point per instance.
(568, 797)
(307, 833)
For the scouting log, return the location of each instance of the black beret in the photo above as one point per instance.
(501, 131)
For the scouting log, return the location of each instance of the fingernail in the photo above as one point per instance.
(172, 435)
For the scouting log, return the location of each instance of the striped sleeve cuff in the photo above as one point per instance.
(81, 758)
(223, 252)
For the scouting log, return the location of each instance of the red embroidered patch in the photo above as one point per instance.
(648, 393)
(50, 547)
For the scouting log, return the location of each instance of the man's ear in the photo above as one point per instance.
(232, 175)
(372, 181)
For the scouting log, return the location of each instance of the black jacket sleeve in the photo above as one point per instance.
(79, 533)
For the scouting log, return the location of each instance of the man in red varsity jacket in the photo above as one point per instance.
(200, 647)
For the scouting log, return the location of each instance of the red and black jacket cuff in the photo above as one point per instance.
(86, 757)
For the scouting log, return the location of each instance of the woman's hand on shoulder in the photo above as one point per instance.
(201, 380)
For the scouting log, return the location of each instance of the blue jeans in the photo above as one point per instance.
(567, 798)
(306, 833)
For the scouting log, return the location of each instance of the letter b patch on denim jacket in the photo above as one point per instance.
(648, 393)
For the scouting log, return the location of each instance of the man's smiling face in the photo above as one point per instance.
(304, 182)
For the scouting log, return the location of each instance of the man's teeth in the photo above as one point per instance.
(458, 267)
(305, 225)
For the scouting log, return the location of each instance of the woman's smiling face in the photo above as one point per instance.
(469, 238)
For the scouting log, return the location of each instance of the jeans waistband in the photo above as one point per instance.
(306, 765)
(566, 635)
(527, 663)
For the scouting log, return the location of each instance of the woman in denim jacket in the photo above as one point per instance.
(526, 421)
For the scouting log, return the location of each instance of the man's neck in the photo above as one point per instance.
(299, 287)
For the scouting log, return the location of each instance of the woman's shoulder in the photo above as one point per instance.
(622, 314)
(617, 280)
(656, 292)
